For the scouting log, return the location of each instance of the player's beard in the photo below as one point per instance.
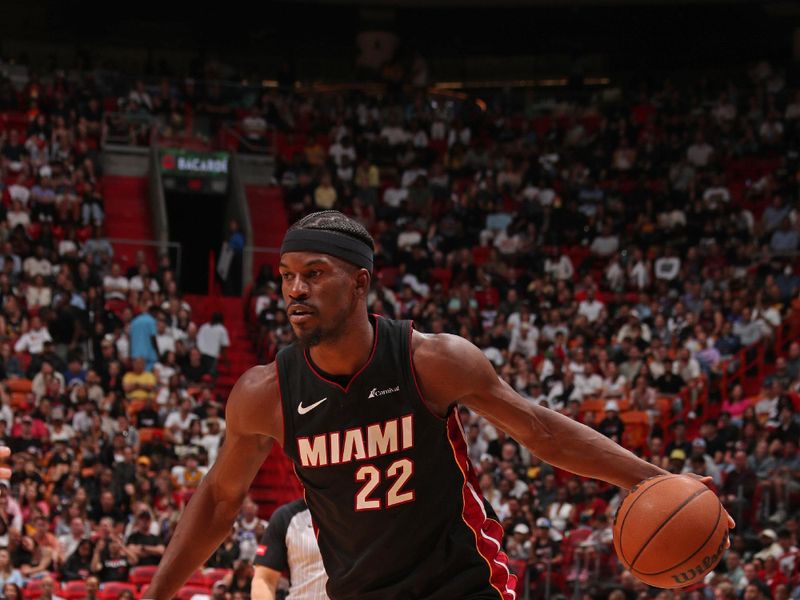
(327, 334)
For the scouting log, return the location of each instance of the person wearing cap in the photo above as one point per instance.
(147, 548)
(400, 380)
(59, 431)
(25, 440)
(699, 452)
(518, 545)
(545, 551)
(612, 426)
(769, 545)
(289, 545)
(677, 459)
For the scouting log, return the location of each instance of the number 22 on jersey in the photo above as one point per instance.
(399, 472)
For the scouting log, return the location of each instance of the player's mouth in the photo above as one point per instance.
(300, 314)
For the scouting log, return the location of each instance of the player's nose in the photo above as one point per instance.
(298, 288)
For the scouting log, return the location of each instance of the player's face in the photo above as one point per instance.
(321, 294)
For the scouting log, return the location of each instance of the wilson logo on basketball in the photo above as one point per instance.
(707, 561)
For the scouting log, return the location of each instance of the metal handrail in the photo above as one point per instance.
(128, 119)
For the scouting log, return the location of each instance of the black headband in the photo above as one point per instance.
(328, 242)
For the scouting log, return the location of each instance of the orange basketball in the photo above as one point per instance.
(670, 531)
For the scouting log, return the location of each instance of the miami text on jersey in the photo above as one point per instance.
(360, 443)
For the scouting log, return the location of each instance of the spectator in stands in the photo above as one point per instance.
(32, 341)
(138, 383)
(111, 560)
(147, 548)
(213, 342)
(143, 334)
(9, 574)
(79, 561)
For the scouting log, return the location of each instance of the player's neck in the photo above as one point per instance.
(349, 352)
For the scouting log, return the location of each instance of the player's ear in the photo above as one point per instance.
(362, 279)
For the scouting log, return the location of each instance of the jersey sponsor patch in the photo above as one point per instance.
(376, 392)
(261, 550)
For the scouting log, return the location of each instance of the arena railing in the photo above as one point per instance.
(752, 362)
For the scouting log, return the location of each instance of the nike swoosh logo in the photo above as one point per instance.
(305, 409)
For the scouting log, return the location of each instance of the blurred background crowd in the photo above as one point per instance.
(629, 258)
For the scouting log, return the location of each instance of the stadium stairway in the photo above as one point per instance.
(128, 217)
(275, 483)
(268, 220)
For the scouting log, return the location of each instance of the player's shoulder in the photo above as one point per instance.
(441, 348)
(258, 380)
(254, 402)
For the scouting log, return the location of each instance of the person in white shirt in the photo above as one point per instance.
(37, 264)
(69, 541)
(164, 338)
(591, 306)
(115, 284)
(615, 275)
(341, 149)
(212, 439)
(17, 215)
(639, 270)
(212, 341)
(605, 244)
(562, 269)
(32, 341)
(524, 340)
(700, 153)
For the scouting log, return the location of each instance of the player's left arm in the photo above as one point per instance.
(450, 370)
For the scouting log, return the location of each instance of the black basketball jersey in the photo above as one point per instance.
(389, 484)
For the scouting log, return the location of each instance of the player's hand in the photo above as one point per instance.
(709, 482)
(5, 472)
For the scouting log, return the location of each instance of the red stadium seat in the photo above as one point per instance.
(74, 590)
(187, 591)
(637, 428)
(214, 575)
(197, 579)
(142, 575)
(19, 386)
(33, 589)
(110, 590)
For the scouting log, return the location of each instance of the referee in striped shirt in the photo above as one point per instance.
(289, 544)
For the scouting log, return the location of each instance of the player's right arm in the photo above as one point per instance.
(265, 583)
(254, 420)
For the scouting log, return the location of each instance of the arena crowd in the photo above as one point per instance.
(610, 253)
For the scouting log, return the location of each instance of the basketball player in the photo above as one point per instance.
(289, 543)
(366, 408)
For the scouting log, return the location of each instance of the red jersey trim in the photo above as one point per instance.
(488, 540)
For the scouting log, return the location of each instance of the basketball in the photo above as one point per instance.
(670, 531)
